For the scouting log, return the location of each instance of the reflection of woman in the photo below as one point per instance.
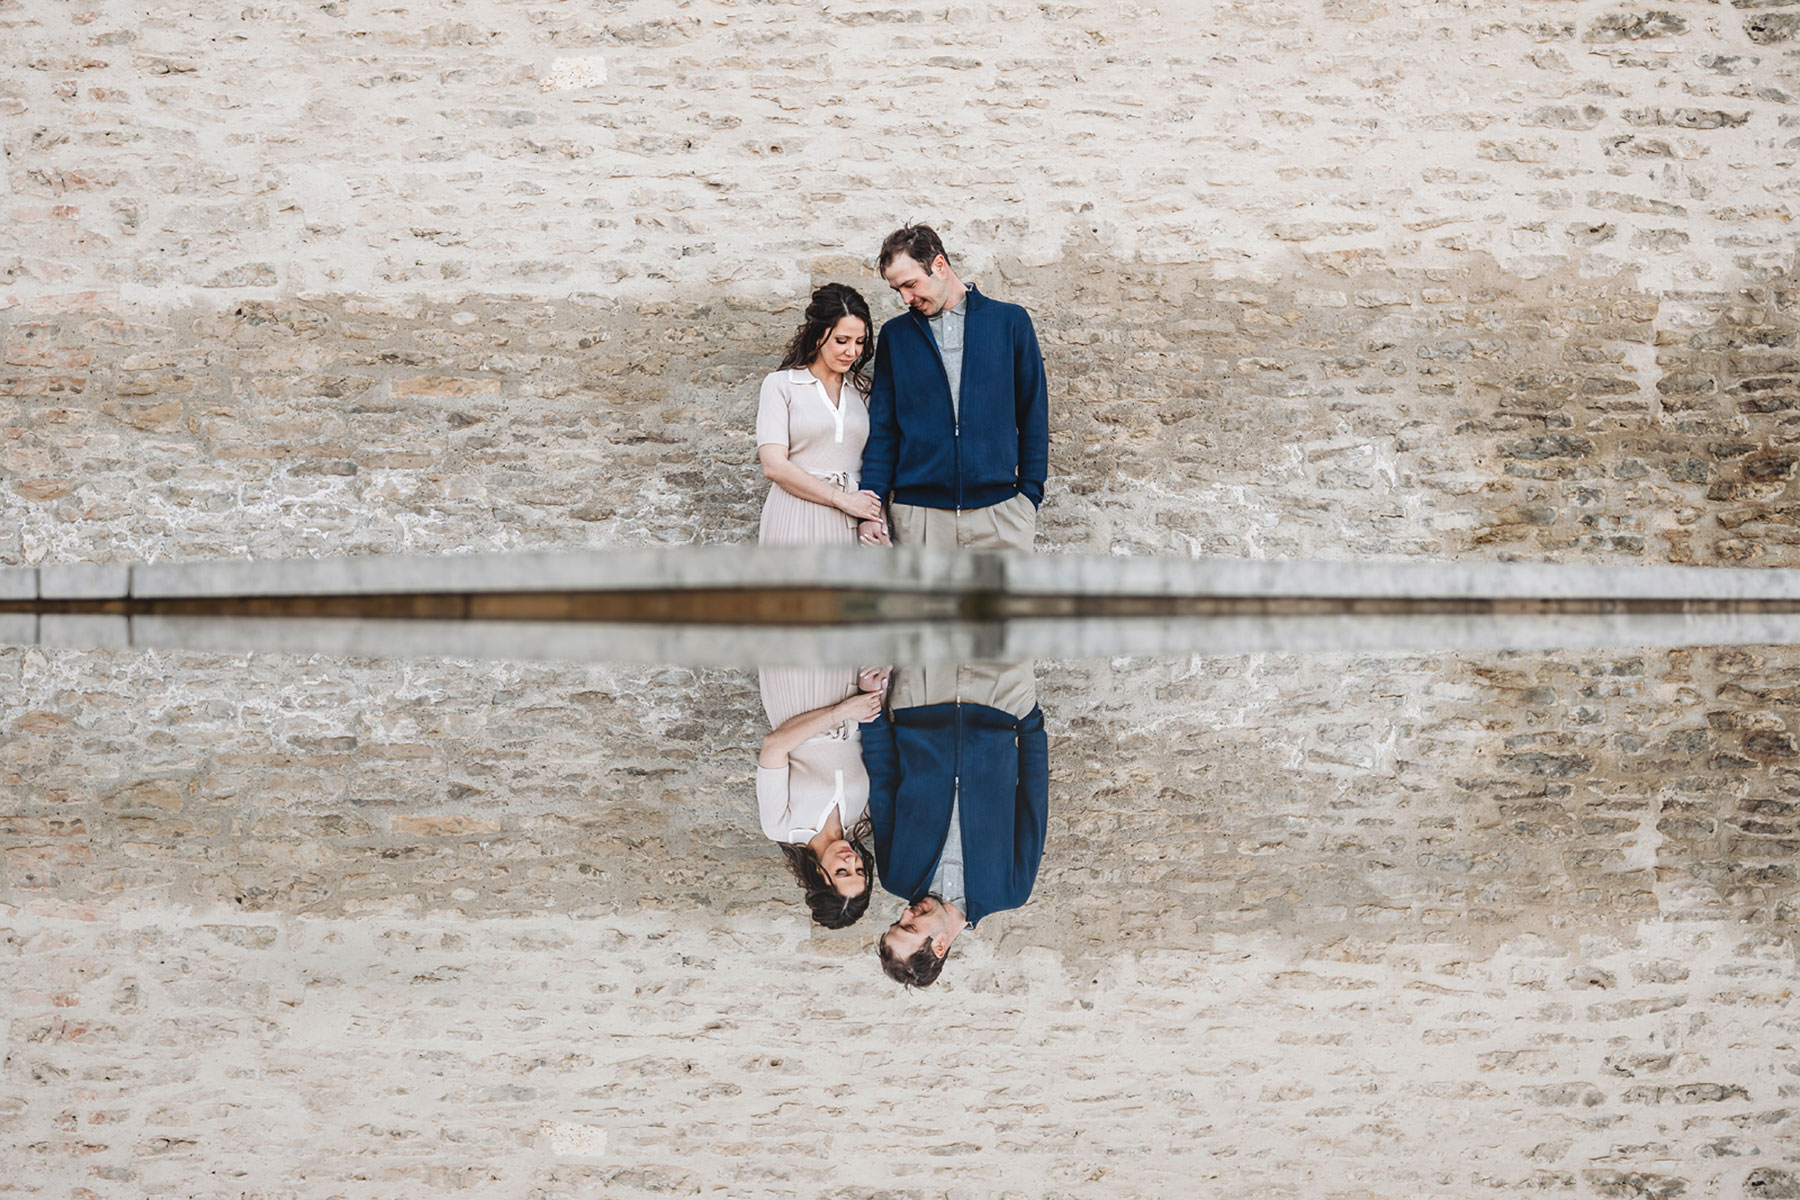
(811, 423)
(812, 787)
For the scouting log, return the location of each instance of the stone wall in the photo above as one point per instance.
(1347, 925)
(1341, 280)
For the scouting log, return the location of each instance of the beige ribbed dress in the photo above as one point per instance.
(822, 439)
(822, 773)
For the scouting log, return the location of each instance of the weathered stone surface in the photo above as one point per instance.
(1602, 425)
(1335, 292)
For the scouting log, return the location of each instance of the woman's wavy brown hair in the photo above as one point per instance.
(828, 908)
(831, 304)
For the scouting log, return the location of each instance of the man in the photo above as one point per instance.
(959, 425)
(959, 794)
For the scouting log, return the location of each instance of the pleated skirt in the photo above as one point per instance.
(789, 691)
(788, 520)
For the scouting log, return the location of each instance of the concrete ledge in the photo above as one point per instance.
(671, 568)
(913, 570)
(84, 581)
(18, 583)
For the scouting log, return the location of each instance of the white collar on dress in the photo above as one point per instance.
(800, 835)
(802, 375)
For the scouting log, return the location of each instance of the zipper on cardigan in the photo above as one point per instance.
(955, 416)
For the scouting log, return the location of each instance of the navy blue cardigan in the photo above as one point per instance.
(915, 760)
(920, 451)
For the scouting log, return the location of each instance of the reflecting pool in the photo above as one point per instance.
(1326, 924)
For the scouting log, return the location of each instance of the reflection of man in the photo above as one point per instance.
(959, 427)
(959, 792)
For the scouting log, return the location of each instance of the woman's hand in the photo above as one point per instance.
(873, 679)
(861, 708)
(864, 506)
(873, 533)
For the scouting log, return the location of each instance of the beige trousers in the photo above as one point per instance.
(1009, 687)
(1009, 525)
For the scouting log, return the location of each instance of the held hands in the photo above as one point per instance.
(873, 533)
(864, 506)
(861, 708)
(873, 679)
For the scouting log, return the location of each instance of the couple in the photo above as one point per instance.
(947, 445)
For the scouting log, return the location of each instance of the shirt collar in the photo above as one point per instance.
(971, 298)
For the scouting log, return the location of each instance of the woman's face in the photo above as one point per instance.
(843, 345)
(844, 867)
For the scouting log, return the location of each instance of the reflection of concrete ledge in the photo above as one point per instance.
(687, 645)
(903, 642)
(1055, 575)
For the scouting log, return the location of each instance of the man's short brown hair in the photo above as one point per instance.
(918, 242)
(917, 970)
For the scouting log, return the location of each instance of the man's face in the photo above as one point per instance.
(920, 923)
(924, 294)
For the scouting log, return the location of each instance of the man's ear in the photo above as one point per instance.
(939, 264)
(940, 945)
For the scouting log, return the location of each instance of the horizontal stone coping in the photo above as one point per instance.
(900, 570)
(663, 568)
(915, 643)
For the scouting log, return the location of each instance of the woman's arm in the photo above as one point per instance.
(791, 733)
(797, 482)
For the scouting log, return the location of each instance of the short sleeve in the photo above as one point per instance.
(772, 801)
(772, 413)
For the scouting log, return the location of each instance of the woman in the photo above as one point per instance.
(811, 423)
(811, 785)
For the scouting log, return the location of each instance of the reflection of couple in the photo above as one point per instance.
(946, 445)
(951, 776)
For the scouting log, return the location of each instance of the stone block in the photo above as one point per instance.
(447, 826)
(18, 583)
(84, 581)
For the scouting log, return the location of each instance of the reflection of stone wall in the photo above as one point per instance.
(1569, 794)
(488, 790)
(382, 1057)
(1404, 924)
(1343, 279)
